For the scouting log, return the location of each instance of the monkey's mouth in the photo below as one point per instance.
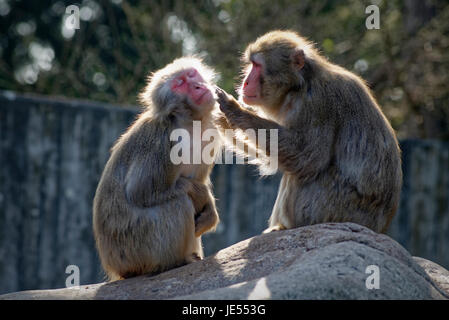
(249, 99)
(200, 99)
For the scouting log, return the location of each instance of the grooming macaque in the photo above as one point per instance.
(148, 212)
(339, 155)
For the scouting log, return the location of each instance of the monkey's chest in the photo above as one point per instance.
(199, 165)
(202, 148)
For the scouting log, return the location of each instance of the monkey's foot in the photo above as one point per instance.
(193, 257)
(275, 228)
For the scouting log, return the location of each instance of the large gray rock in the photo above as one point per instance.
(326, 261)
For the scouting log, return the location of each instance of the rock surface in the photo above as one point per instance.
(325, 261)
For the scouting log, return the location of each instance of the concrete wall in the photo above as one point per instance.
(52, 153)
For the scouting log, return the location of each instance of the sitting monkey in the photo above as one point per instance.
(148, 213)
(339, 156)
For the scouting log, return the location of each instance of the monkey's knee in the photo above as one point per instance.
(205, 220)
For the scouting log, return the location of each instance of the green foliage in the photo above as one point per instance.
(120, 42)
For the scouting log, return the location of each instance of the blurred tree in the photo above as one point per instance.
(119, 42)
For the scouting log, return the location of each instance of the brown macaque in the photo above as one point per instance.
(149, 213)
(339, 155)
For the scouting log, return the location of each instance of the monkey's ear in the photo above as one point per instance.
(298, 58)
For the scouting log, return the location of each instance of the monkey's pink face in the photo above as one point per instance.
(191, 84)
(252, 83)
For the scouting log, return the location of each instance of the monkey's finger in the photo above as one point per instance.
(222, 100)
(223, 103)
(226, 101)
(221, 94)
(219, 90)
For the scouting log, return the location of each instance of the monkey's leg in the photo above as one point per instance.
(197, 254)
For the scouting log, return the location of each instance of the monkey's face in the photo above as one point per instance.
(268, 78)
(252, 85)
(190, 84)
(275, 62)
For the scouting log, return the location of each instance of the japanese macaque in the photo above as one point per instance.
(149, 213)
(339, 155)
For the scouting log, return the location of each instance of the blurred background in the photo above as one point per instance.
(67, 94)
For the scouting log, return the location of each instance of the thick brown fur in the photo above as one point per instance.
(149, 214)
(339, 155)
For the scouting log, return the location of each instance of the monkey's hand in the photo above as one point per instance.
(236, 116)
(206, 219)
(198, 192)
(230, 107)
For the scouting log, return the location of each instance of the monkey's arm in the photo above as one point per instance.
(206, 216)
(150, 178)
(234, 142)
(304, 156)
(237, 117)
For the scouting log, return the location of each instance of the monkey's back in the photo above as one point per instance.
(136, 232)
(362, 180)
